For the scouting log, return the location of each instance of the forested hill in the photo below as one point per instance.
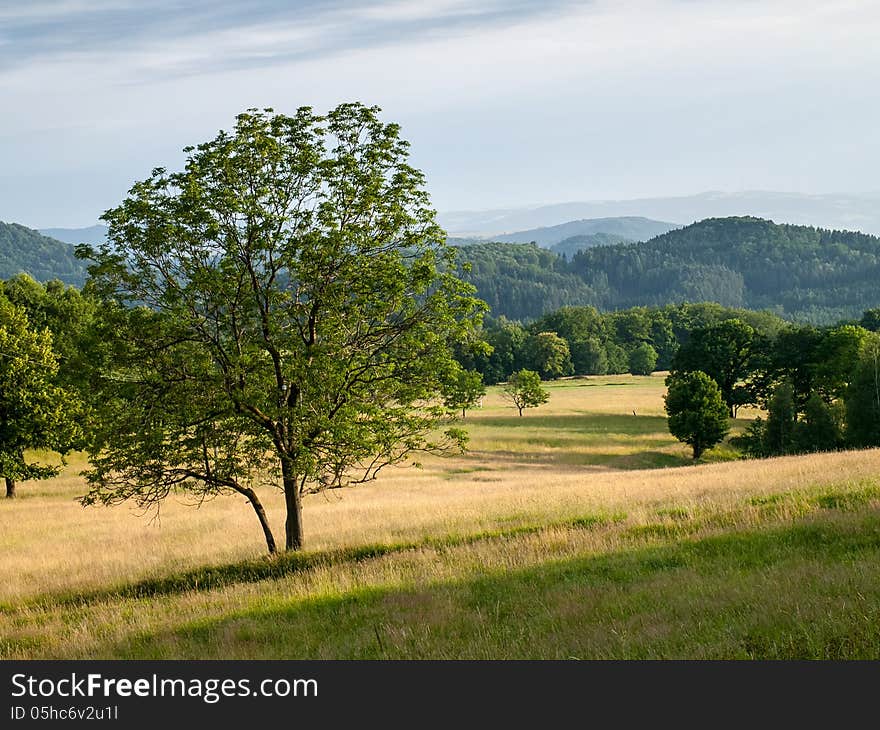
(570, 246)
(803, 273)
(24, 250)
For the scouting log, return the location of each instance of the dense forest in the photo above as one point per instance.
(568, 247)
(802, 273)
(24, 250)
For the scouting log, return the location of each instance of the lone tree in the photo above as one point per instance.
(524, 389)
(697, 415)
(35, 413)
(287, 314)
(464, 391)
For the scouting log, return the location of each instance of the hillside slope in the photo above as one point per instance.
(24, 250)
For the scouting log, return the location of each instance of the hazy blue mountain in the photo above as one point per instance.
(631, 228)
(93, 234)
(24, 250)
(463, 241)
(842, 211)
(568, 247)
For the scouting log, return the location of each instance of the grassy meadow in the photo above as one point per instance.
(580, 530)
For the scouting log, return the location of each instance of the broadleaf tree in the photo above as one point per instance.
(696, 412)
(524, 390)
(863, 396)
(548, 354)
(35, 412)
(464, 391)
(723, 351)
(296, 308)
(642, 359)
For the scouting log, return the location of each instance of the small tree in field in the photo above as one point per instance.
(464, 391)
(524, 389)
(287, 315)
(697, 414)
(35, 413)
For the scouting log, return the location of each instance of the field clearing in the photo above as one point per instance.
(579, 529)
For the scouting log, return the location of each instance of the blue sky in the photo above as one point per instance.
(505, 103)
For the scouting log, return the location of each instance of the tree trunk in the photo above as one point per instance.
(293, 524)
(698, 451)
(520, 411)
(10, 488)
(261, 516)
(462, 413)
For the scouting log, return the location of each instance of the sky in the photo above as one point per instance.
(506, 104)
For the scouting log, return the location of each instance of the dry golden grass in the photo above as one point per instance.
(582, 453)
(561, 533)
(414, 596)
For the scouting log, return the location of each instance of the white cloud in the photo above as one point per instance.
(605, 99)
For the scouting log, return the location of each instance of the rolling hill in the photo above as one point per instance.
(799, 272)
(631, 228)
(850, 211)
(803, 273)
(24, 250)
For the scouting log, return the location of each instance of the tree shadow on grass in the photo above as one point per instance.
(573, 462)
(213, 577)
(578, 440)
(566, 607)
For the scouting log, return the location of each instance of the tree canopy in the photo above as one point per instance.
(696, 412)
(524, 390)
(724, 351)
(35, 412)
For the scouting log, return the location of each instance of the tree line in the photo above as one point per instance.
(584, 341)
(820, 387)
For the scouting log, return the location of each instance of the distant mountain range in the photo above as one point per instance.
(843, 211)
(855, 212)
(93, 235)
(630, 228)
(568, 238)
